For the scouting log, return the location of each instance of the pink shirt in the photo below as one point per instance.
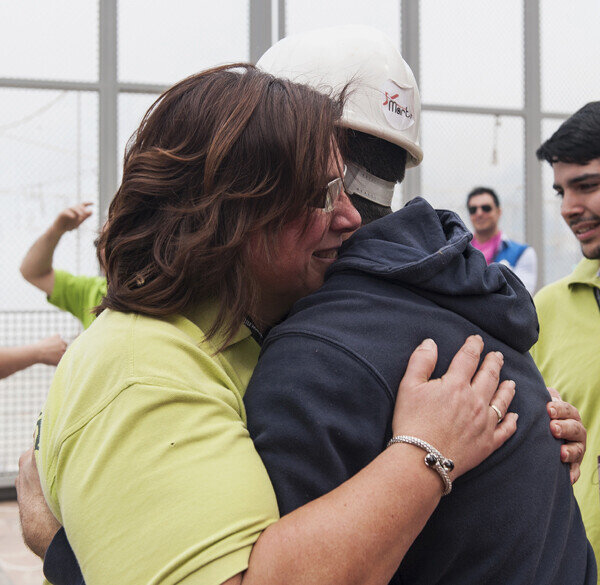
(489, 248)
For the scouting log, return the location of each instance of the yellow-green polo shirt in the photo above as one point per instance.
(568, 355)
(144, 453)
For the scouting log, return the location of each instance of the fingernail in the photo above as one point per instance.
(511, 384)
(558, 430)
(428, 344)
(500, 355)
(552, 411)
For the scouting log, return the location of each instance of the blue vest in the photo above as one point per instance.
(510, 251)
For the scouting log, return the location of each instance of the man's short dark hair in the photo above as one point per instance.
(483, 191)
(369, 210)
(379, 157)
(577, 140)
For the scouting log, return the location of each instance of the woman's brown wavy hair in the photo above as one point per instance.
(220, 156)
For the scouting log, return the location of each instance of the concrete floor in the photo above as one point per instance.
(18, 565)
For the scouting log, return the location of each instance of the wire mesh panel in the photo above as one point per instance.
(472, 53)
(49, 40)
(303, 15)
(132, 107)
(48, 161)
(569, 75)
(463, 151)
(162, 41)
(22, 395)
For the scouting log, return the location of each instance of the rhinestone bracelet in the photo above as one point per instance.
(434, 459)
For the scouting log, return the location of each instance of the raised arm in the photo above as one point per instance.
(46, 351)
(36, 267)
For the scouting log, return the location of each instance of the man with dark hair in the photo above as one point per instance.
(484, 210)
(567, 351)
(409, 275)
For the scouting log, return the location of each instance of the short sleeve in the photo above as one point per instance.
(77, 294)
(163, 486)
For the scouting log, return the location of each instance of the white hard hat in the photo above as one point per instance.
(383, 98)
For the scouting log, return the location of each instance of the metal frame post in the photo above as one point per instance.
(410, 49)
(107, 107)
(260, 28)
(534, 206)
(281, 32)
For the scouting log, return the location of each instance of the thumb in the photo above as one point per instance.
(421, 364)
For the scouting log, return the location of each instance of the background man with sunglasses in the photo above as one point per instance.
(484, 210)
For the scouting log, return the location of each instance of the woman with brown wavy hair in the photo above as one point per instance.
(231, 208)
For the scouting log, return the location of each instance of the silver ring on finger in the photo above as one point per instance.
(498, 413)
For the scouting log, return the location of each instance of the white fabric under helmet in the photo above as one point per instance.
(383, 97)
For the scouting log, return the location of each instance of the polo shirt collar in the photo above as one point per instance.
(196, 322)
(586, 273)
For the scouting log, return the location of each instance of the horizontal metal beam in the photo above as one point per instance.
(141, 87)
(49, 84)
(490, 111)
(127, 87)
(133, 87)
(556, 115)
(474, 110)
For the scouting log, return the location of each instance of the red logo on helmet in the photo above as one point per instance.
(389, 98)
(395, 107)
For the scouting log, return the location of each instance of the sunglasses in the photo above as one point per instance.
(333, 190)
(485, 208)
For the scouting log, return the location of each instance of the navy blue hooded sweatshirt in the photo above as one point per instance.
(321, 399)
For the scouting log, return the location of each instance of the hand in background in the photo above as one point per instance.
(51, 349)
(72, 217)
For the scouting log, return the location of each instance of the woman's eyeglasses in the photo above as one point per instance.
(485, 208)
(332, 192)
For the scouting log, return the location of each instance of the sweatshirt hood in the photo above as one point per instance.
(429, 252)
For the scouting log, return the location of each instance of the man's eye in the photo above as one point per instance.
(559, 194)
(588, 186)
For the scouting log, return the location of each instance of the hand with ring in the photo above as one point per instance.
(498, 413)
(453, 412)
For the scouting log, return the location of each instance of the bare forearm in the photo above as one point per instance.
(358, 533)
(14, 359)
(38, 260)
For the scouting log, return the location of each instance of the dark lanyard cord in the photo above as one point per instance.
(597, 295)
(256, 334)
